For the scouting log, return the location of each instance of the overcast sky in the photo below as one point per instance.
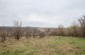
(41, 13)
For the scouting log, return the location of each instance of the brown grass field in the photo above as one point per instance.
(54, 45)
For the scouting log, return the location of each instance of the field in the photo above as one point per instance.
(54, 45)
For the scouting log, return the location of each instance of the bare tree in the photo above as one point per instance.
(3, 34)
(61, 31)
(17, 29)
(82, 25)
(74, 29)
(69, 31)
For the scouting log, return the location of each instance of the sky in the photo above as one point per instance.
(41, 13)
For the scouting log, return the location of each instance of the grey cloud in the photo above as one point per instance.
(57, 11)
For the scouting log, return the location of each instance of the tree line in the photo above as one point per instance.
(17, 31)
(76, 29)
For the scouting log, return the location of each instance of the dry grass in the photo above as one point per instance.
(45, 46)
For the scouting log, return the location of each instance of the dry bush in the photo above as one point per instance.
(41, 34)
(28, 33)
